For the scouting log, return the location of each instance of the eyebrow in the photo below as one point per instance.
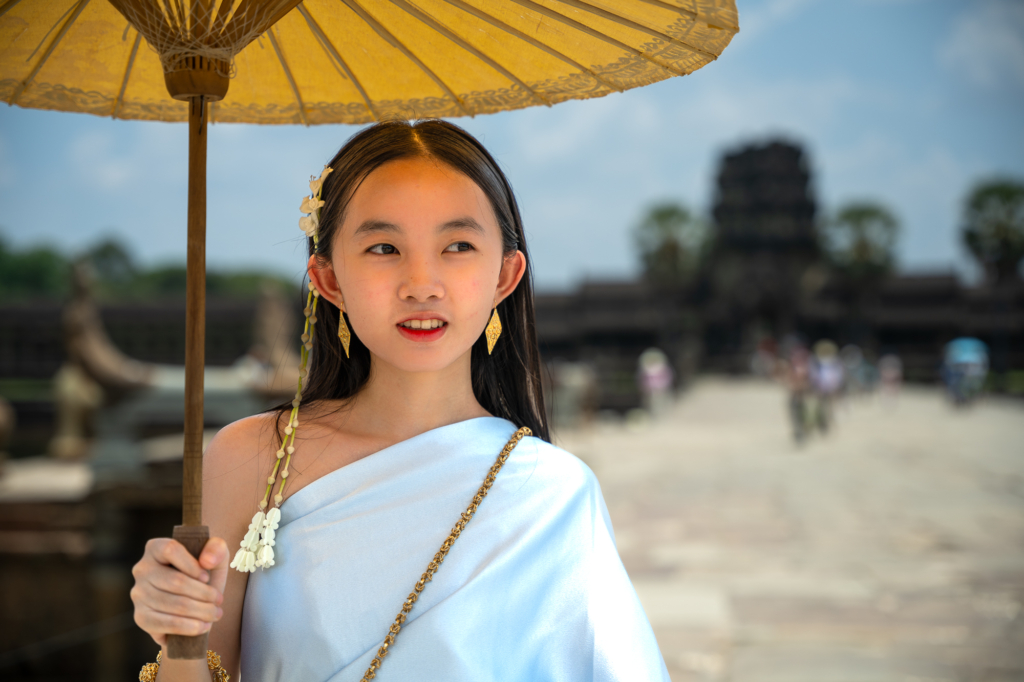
(373, 226)
(378, 226)
(464, 223)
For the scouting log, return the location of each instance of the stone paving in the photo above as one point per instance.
(890, 550)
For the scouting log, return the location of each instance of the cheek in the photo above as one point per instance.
(367, 298)
(473, 289)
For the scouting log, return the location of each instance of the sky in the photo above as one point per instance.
(904, 102)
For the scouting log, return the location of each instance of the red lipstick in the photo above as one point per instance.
(422, 334)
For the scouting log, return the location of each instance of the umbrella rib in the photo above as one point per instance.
(465, 45)
(512, 30)
(392, 40)
(288, 74)
(127, 72)
(7, 6)
(691, 13)
(329, 48)
(541, 9)
(60, 20)
(673, 8)
(199, 20)
(46, 55)
(629, 23)
(217, 26)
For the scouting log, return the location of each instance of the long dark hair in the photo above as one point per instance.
(507, 383)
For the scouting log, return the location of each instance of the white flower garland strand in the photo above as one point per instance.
(257, 547)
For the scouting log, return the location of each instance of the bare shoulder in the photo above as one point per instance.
(240, 441)
(235, 463)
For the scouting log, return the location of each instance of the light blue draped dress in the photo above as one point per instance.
(533, 589)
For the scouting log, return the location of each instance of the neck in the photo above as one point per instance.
(399, 404)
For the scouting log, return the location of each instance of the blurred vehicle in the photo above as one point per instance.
(964, 368)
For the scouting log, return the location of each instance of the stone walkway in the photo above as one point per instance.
(891, 550)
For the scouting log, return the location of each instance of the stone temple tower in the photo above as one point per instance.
(765, 250)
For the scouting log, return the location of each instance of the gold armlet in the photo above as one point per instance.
(149, 671)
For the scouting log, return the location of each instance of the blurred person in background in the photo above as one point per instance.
(795, 374)
(827, 378)
(860, 374)
(574, 389)
(964, 369)
(890, 375)
(654, 376)
(762, 362)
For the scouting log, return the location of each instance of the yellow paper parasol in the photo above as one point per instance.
(329, 61)
(349, 61)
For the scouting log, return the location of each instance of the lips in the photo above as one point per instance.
(422, 330)
(428, 323)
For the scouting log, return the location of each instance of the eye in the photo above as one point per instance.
(459, 246)
(383, 249)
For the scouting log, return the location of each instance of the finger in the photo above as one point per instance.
(141, 617)
(215, 557)
(176, 605)
(173, 553)
(155, 621)
(175, 582)
(214, 553)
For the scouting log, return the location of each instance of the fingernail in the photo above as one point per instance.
(204, 576)
(208, 626)
(220, 599)
(220, 613)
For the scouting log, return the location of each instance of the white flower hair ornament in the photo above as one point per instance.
(257, 547)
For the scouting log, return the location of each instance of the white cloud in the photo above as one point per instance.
(986, 44)
(117, 155)
(98, 163)
(762, 19)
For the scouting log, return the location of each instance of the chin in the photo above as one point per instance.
(420, 359)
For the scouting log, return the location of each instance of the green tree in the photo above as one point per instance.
(36, 272)
(859, 240)
(43, 272)
(111, 262)
(670, 240)
(993, 227)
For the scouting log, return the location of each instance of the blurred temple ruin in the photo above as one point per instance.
(95, 438)
(765, 278)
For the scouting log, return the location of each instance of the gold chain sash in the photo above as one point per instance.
(432, 567)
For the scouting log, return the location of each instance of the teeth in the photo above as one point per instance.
(422, 324)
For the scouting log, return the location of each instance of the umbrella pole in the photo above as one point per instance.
(192, 533)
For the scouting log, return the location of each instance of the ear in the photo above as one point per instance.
(325, 281)
(513, 268)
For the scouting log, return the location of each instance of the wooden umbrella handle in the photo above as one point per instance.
(192, 534)
(180, 646)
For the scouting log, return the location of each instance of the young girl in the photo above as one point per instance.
(411, 412)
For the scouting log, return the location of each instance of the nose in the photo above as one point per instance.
(421, 280)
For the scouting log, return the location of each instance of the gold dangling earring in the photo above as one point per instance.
(343, 333)
(493, 331)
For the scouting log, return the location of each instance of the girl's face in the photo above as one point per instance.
(417, 265)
